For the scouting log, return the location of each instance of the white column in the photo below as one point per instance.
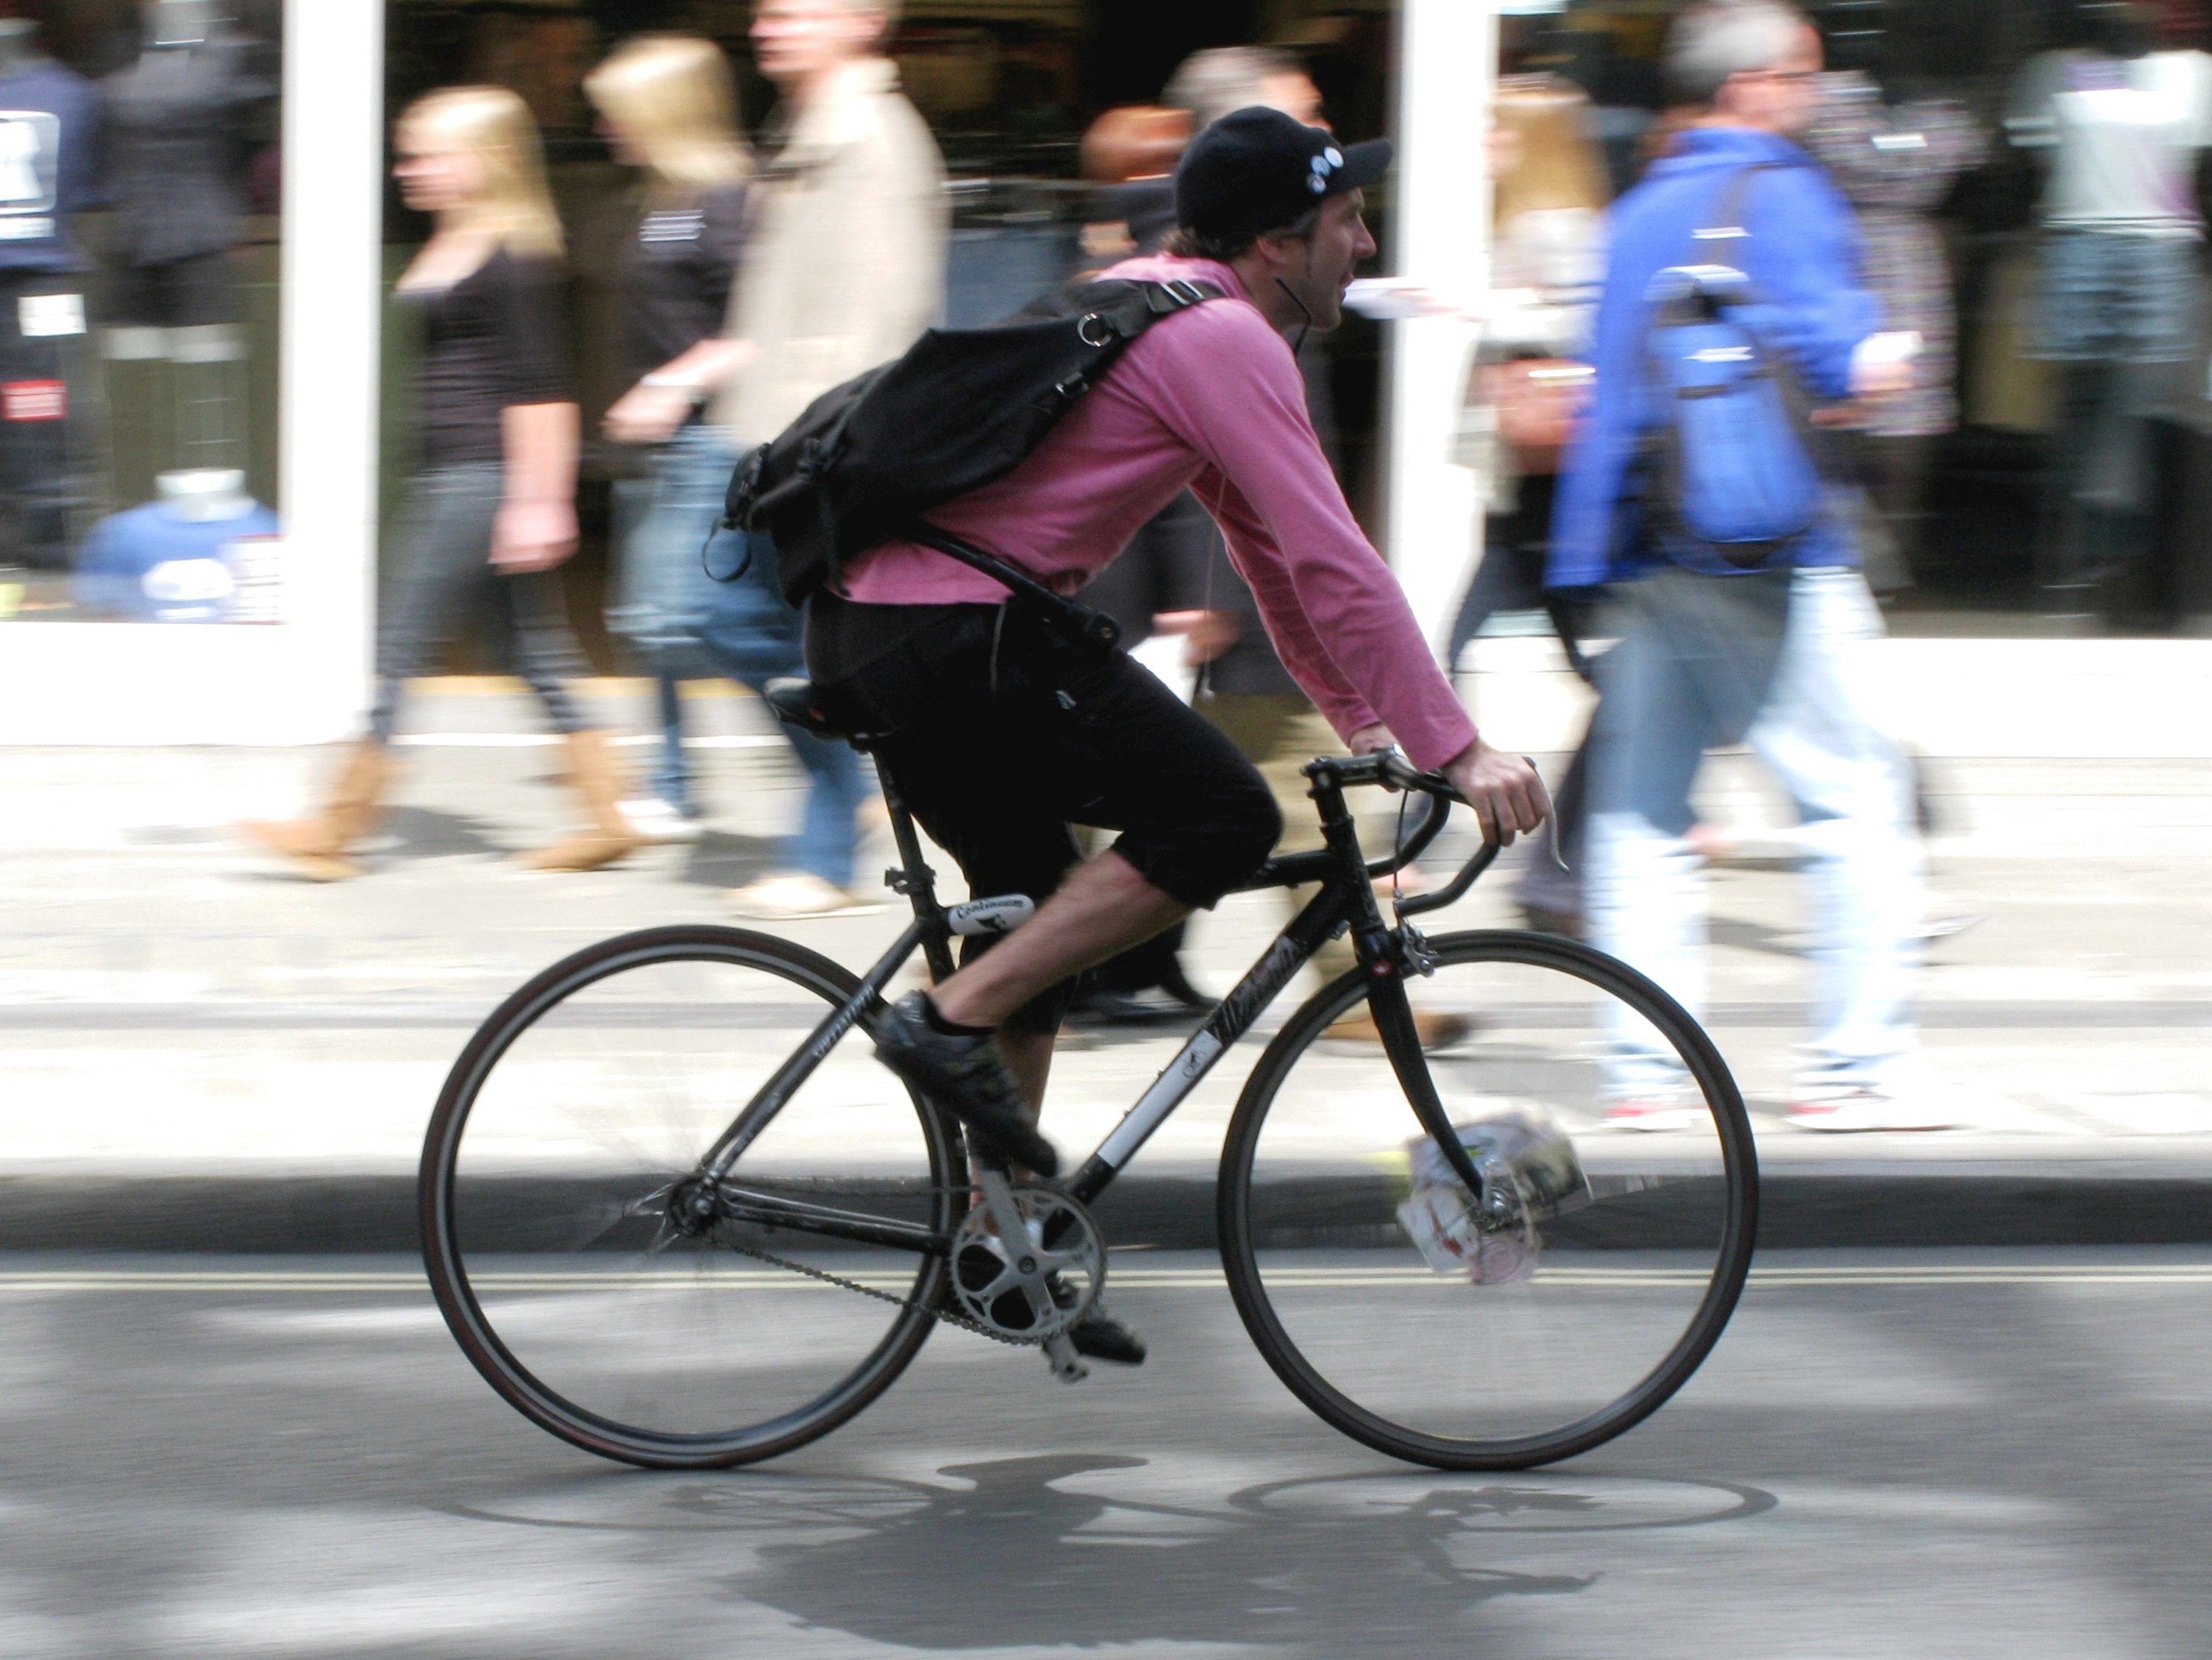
(1440, 226)
(330, 333)
(304, 681)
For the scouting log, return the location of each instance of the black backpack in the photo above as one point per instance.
(959, 410)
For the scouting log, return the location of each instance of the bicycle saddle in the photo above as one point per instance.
(792, 697)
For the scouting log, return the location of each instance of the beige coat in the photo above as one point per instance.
(845, 264)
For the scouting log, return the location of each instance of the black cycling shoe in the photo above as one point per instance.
(1098, 1333)
(965, 1077)
(1103, 1337)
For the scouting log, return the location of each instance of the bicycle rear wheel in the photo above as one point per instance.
(1357, 1261)
(551, 1247)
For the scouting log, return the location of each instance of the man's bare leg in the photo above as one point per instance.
(1028, 1056)
(1103, 909)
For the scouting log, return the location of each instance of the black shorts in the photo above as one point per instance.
(997, 748)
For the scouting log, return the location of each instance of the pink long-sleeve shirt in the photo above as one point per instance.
(1208, 399)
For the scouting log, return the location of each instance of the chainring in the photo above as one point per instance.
(1041, 1291)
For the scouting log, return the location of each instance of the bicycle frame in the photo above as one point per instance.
(1345, 899)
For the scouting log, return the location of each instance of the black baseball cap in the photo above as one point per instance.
(1257, 170)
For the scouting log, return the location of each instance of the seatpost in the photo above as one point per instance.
(913, 876)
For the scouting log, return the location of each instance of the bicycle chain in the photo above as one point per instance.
(829, 1278)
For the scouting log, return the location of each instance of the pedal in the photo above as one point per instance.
(1065, 1364)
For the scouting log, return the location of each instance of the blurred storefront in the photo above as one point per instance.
(198, 441)
(2058, 478)
(188, 298)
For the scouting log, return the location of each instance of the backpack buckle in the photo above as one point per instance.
(1184, 291)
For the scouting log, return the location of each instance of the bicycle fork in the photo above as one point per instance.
(1387, 955)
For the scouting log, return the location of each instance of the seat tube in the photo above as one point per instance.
(917, 881)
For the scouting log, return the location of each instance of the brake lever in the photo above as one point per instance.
(1551, 822)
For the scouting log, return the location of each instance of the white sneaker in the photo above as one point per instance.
(790, 898)
(1660, 1114)
(652, 819)
(1858, 1108)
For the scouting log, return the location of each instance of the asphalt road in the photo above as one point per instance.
(1954, 1454)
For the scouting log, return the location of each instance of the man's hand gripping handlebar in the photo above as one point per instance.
(1508, 797)
(1504, 791)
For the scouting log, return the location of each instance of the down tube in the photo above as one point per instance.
(1231, 1019)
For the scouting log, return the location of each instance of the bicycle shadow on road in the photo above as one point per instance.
(1055, 1548)
(1092, 1549)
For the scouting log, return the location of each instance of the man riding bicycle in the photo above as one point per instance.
(997, 746)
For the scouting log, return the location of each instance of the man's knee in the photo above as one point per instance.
(1240, 829)
(1252, 824)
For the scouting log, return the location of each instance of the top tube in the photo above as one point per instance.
(1388, 770)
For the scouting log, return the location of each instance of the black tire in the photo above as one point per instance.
(1630, 1291)
(610, 1074)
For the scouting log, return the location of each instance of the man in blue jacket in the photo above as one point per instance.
(1709, 654)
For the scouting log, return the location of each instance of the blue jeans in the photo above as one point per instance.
(663, 596)
(753, 636)
(1671, 691)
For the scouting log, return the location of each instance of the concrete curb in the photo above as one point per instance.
(1911, 1207)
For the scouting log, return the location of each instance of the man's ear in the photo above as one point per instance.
(1278, 247)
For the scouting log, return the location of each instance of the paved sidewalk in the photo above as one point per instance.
(172, 1009)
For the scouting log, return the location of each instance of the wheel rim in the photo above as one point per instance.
(1629, 1287)
(591, 1094)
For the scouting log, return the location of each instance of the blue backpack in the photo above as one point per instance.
(1732, 465)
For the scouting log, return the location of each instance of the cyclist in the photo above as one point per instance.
(997, 745)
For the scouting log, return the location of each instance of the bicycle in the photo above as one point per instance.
(673, 1245)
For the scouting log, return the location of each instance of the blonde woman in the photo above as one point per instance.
(491, 509)
(1548, 257)
(666, 108)
(1548, 261)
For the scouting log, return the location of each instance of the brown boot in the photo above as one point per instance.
(321, 847)
(591, 769)
(1438, 1031)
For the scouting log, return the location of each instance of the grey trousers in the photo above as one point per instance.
(445, 578)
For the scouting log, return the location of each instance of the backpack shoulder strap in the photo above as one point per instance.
(1143, 302)
(1725, 221)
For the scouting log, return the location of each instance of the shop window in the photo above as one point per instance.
(2031, 179)
(1007, 87)
(139, 174)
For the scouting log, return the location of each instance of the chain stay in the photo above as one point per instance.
(644, 1207)
(829, 1279)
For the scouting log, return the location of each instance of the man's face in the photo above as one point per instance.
(1319, 267)
(794, 40)
(1780, 100)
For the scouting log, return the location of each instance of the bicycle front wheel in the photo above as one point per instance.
(587, 1100)
(1596, 1270)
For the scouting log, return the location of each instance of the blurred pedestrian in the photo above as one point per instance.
(2119, 125)
(491, 510)
(1708, 653)
(844, 267)
(1895, 161)
(1212, 83)
(1526, 386)
(1547, 256)
(1129, 156)
(666, 106)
